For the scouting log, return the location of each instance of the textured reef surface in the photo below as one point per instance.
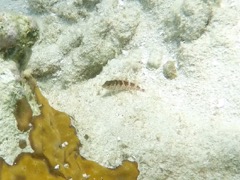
(183, 54)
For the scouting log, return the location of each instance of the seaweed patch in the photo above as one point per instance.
(56, 146)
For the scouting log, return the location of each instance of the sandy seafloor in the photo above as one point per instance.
(185, 128)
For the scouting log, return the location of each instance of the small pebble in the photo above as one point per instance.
(66, 165)
(22, 143)
(169, 70)
(57, 167)
(221, 103)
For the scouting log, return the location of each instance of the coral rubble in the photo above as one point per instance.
(189, 20)
(56, 149)
(169, 70)
(18, 33)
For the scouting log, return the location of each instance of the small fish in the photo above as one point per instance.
(121, 85)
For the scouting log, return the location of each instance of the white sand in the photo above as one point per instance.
(186, 128)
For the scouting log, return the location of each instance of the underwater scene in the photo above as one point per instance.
(119, 89)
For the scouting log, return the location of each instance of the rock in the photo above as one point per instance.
(169, 70)
(188, 20)
(17, 35)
